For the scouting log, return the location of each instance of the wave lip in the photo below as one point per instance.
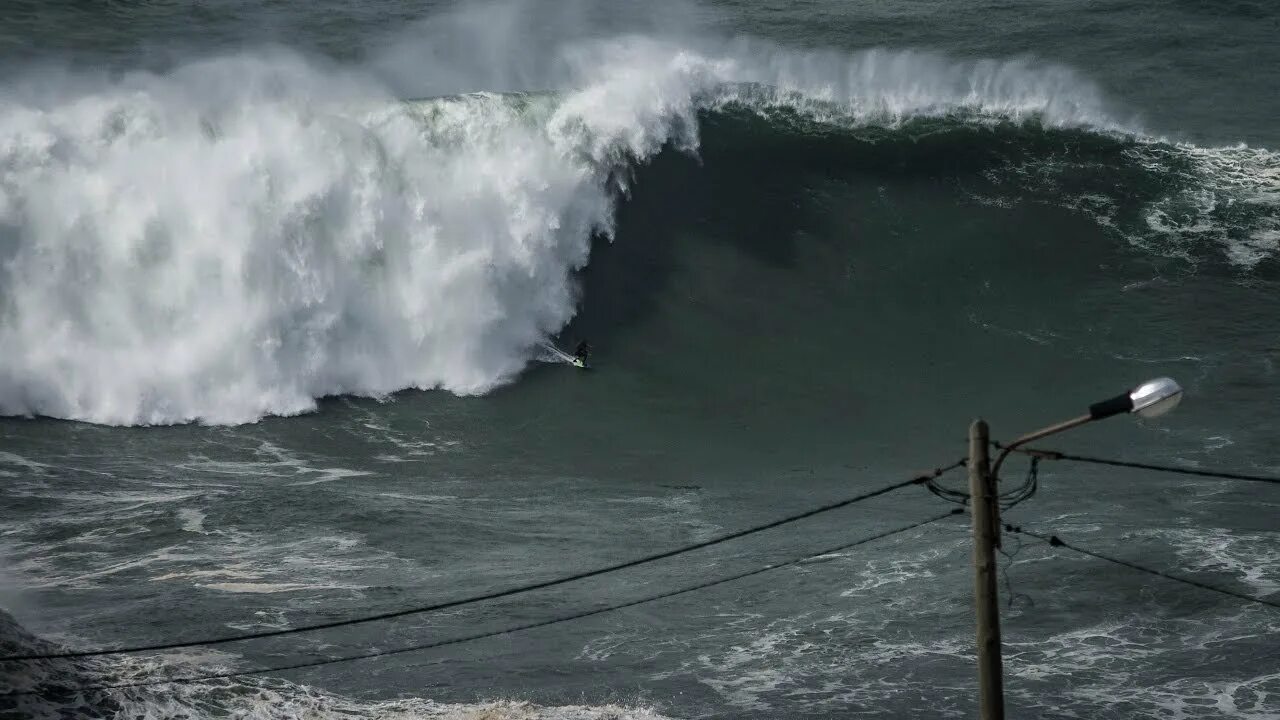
(887, 87)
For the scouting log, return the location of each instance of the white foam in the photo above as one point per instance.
(895, 571)
(1121, 661)
(192, 521)
(27, 466)
(227, 573)
(288, 702)
(1230, 196)
(413, 443)
(274, 461)
(267, 588)
(1252, 557)
(685, 509)
(420, 498)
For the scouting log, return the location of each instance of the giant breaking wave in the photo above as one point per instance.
(241, 235)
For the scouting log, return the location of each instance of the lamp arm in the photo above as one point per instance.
(1041, 433)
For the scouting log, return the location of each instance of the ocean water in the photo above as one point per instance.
(275, 283)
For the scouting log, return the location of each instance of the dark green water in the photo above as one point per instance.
(805, 294)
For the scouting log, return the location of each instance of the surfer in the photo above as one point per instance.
(581, 352)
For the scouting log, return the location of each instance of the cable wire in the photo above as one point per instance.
(1007, 499)
(918, 480)
(504, 631)
(1004, 570)
(1026, 490)
(1055, 455)
(1056, 541)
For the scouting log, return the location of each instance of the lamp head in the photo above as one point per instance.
(1150, 399)
(1155, 397)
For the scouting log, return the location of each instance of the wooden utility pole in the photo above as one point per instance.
(984, 507)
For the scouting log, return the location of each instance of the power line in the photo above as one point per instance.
(508, 630)
(918, 480)
(1054, 455)
(1056, 541)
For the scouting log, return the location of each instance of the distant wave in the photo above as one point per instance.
(242, 235)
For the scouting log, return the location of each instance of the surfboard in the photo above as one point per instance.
(566, 357)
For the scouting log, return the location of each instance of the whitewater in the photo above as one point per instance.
(243, 234)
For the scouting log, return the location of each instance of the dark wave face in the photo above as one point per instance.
(1172, 199)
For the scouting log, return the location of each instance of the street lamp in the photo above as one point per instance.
(1150, 399)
